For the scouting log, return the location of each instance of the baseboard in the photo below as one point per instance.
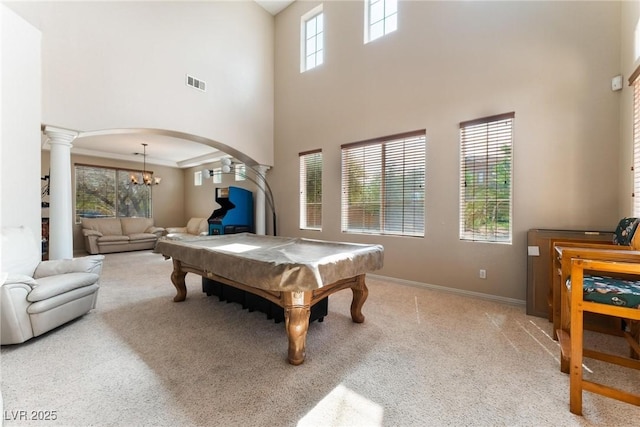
(479, 295)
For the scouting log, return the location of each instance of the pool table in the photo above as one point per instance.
(293, 273)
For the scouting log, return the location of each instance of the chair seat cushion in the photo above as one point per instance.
(609, 290)
(51, 286)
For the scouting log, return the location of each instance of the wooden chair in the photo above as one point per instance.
(605, 296)
(625, 239)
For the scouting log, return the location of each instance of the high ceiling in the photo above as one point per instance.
(161, 149)
(274, 6)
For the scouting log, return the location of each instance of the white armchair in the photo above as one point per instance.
(37, 296)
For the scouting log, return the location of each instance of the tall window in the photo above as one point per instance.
(311, 190)
(312, 39)
(383, 185)
(634, 80)
(107, 192)
(485, 178)
(380, 18)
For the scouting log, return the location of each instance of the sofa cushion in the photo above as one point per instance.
(135, 225)
(55, 285)
(113, 238)
(625, 231)
(20, 252)
(142, 237)
(106, 226)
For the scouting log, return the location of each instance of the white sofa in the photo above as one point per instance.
(37, 296)
(106, 235)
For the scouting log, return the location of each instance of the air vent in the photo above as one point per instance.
(196, 83)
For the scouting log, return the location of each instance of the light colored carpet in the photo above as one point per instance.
(422, 357)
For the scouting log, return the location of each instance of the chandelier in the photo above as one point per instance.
(147, 177)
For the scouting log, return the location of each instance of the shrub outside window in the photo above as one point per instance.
(383, 185)
(311, 190)
(486, 157)
(108, 193)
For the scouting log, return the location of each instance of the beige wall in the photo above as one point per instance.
(116, 65)
(630, 15)
(550, 62)
(19, 122)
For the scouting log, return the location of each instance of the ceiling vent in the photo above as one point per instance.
(196, 83)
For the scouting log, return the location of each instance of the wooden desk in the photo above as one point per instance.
(540, 264)
(292, 273)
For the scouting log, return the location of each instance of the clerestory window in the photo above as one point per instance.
(380, 18)
(312, 39)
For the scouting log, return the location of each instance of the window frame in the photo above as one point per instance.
(118, 187)
(307, 159)
(318, 37)
(388, 20)
(197, 178)
(634, 82)
(487, 142)
(390, 185)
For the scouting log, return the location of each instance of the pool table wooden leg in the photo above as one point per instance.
(297, 309)
(177, 278)
(360, 294)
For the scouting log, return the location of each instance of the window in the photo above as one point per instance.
(485, 178)
(197, 178)
(383, 185)
(217, 176)
(636, 40)
(240, 172)
(380, 18)
(108, 193)
(634, 81)
(311, 190)
(311, 39)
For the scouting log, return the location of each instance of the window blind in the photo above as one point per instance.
(311, 190)
(485, 178)
(636, 143)
(383, 185)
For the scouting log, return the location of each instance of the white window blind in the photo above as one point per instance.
(635, 81)
(383, 185)
(485, 178)
(311, 190)
(312, 39)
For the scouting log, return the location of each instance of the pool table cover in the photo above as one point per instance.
(275, 263)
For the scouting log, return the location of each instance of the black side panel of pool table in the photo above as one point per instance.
(254, 302)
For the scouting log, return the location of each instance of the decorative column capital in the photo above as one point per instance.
(261, 169)
(60, 135)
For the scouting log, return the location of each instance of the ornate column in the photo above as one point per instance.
(60, 194)
(261, 210)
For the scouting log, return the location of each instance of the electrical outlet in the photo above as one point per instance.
(483, 274)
